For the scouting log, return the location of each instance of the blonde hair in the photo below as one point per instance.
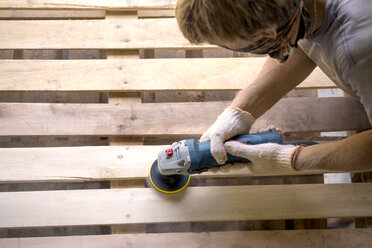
(213, 20)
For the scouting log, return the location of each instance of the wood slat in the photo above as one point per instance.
(157, 119)
(50, 14)
(123, 98)
(138, 75)
(156, 13)
(94, 34)
(133, 206)
(339, 238)
(91, 4)
(74, 14)
(68, 164)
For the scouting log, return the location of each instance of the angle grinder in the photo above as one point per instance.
(170, 173)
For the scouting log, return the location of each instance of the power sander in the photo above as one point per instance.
(170, 173)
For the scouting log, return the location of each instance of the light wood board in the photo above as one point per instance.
(50, 14)
(94, 34)
(138, 75)
(336, 238)
(123, 98)
(156, 13)
(134, 206)
(67, 164)
(91, 4)
(172, 119)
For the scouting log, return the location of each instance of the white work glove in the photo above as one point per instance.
(231, 122)
(266, 158)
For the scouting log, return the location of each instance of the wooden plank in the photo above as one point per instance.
(123, 75)
(259, 239)
(91, 4)
(156, 13)
(50, 14)
(70, 164)
(149, 119)
(51, 141)
(123, 98)
(134, 206)
(128, 14)
(94, 34)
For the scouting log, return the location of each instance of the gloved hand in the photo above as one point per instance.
(265, 158)
(231, 122)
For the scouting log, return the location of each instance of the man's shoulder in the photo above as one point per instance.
(354, 20)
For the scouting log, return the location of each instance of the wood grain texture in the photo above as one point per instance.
(94, 34)
(91, 4)
(122, 98)
(258, 239)
(51, 141)
(156, 13)
(50, 14)
(126, 206)
(69, 164)
(149, 119)
(138, 75)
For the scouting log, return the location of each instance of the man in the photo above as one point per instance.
(298, 35)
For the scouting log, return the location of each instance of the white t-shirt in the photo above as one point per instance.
(342, 47)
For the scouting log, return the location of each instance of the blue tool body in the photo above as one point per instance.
(202, 159)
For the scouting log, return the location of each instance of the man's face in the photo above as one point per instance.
(273, 41)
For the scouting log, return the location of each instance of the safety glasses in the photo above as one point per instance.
(275, 48)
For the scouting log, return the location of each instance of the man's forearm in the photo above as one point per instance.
(350, 154)
(273, 82)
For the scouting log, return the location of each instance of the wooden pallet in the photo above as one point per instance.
(125, 30)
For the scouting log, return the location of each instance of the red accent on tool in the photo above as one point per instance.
(169, 152)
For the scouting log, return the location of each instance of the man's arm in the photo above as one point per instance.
(350, 154)
(273, 82)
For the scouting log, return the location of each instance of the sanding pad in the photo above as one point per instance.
(167, 184)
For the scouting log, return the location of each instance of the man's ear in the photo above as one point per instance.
(267, 33)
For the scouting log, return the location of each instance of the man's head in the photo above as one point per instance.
(248, 25)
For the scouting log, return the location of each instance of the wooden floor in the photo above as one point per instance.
(98, 98)
(88, 232)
